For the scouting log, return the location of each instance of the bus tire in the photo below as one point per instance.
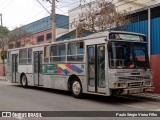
(76, 89)
(24, 81)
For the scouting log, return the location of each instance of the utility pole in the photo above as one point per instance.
(53, 22)
(53, 17)
(1, 20)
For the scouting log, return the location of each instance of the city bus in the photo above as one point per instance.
(105, 63)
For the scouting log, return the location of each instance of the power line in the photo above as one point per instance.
(78, 1)
(7, 5)
(43, 6)
(70, 4)
(4, 3)
(47, 12)
(34, 15)
(66, 23)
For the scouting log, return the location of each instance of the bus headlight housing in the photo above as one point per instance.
(147, 83)
(119, 85)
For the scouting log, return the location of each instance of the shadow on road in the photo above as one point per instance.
(89, 97)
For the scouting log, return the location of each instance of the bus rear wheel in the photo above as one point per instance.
(76, 89)
(24, 81)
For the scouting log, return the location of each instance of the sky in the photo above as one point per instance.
(16, 13)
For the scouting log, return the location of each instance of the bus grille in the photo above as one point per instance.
(135, 84)
(134, 78)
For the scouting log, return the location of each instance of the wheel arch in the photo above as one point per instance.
(22, 74)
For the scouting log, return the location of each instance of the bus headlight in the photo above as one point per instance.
(147, 83)
(119, 85)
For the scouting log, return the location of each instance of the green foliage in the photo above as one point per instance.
(4, 32)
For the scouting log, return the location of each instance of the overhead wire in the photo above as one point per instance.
(34, 15)
(7, 5)
(43, 6)
(49, 13)
(67, 11)
(66, 23)
(3, 3)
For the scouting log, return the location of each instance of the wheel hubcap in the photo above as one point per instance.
(76, 87)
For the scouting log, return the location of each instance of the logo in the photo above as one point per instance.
(6, 114)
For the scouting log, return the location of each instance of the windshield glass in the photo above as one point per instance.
(128, 55)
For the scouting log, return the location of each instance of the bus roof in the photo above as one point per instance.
(92, 36)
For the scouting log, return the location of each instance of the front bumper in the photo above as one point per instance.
(137, 90)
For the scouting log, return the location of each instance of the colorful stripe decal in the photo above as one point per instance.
(63, 69)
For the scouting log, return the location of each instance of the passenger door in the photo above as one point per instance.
(38, 78)
(14, 68)
(96, 68)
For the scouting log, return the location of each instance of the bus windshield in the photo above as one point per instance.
(128, 55)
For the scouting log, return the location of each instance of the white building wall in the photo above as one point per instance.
(61, 31)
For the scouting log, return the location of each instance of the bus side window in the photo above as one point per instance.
(58, 53)
(46, 54)
(23, 56)
(29, 56)
(75, 51)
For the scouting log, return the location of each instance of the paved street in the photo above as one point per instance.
(16, 98)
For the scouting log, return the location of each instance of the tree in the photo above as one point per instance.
(3, 41)
(99, 16)
(19, 37)
(4, 32)
(3, 36)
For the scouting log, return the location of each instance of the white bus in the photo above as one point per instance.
(104, 63)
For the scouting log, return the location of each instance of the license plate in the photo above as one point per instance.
(148, 90)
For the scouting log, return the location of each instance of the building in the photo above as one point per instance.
(41, 29)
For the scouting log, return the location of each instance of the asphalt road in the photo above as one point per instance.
(15, 98)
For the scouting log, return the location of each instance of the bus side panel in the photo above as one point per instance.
(27, 70)
(84, 83)
(18, 77)
(30, 79)
(47, 83)
(23, 69)
(55, 81)
(9, 73)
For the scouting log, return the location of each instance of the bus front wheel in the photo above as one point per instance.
(76, 89)
(24, 82)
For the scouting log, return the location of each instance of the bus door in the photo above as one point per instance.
(14, 68)
(38, 79)
(96, 68)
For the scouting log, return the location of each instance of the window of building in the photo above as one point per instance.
(57, 53)
(155, 12)
(134, 18)
(75, 51)
(143, 15)
(46, 54)
(40, 38)
(49, 36)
